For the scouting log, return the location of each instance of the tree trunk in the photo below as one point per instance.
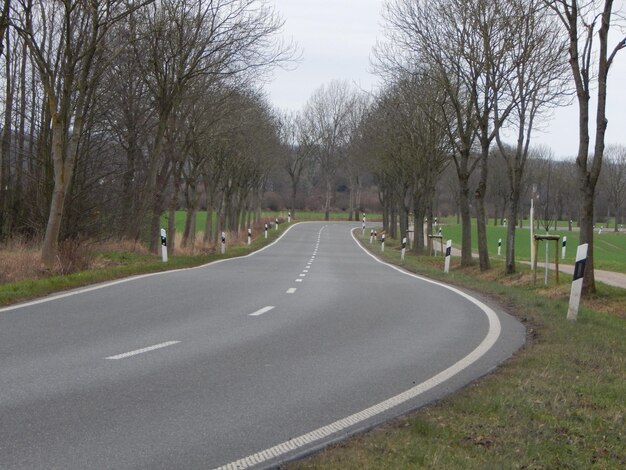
(466, 222)
(329, 186)
(63, 158)
(5, 147)
(586, 232)
(481, 215)
(171, 230)
(418, 215)
(509, 264)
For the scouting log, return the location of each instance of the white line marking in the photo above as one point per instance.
(352, 420)
(298, 280)
(143, 350)
(291, 290)
(302, 275)
(305, 270)
(262, 311)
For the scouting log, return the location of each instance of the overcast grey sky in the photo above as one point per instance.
(336, 38)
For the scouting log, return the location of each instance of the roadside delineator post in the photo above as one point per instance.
(499, 246)
(403, 249)
(289, 217)
(223, 248)
(249, 236)
(382, 242)
(371, 236)
(577, 282)
(276, 223)
(163, 245)
(563, 247)
(446, 263)
(265, 230)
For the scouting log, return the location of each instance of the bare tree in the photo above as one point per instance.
(536, 81)
(326, 115)
(587, 27)
(353, 165)
(297, 151)
(434, 34)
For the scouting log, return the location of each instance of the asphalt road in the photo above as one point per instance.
(248, 361)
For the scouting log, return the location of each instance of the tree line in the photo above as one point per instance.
(116, 109)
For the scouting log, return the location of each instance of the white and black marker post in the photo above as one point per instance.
(249, 236)
(276, 223)
(265, 230)
(289, 217)
(577, 282)
(446, 263)
(403, 248)
(371, 236)
(563, 245)
(163, 245)
(223, 242)
(499, 246)
(382, 242)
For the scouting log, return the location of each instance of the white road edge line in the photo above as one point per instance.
(338, 426)
(291, 290)
(143, 350)
(262, 311)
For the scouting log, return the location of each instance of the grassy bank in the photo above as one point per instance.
(559, 403)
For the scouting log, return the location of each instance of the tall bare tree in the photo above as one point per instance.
(327, 123)
(297, 151)
(535, 81)
(587, 25)
(432, 35)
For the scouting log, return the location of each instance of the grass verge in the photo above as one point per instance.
(559, 403)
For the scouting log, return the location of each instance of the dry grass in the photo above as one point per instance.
(21, 260)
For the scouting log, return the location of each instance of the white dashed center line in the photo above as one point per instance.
(291, 290)
(143, 350)
(262, 311)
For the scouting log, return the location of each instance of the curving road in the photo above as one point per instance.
(246, 362)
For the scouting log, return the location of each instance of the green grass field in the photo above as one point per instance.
(609, 247)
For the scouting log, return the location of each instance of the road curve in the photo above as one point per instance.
(247, 362)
